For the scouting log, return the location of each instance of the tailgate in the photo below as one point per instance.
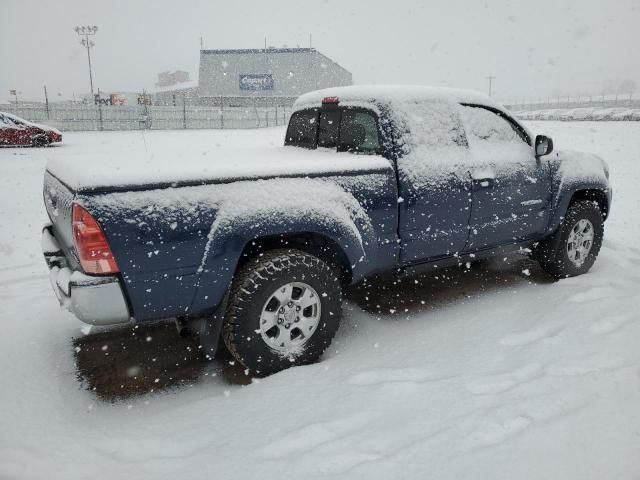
(58, 200)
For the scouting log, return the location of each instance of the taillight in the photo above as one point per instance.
(91, 244)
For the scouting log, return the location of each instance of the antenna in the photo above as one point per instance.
(310, 37)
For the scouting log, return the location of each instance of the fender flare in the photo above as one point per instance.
(566, 191)
(345, 223)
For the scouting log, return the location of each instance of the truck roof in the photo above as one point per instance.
(369, 94)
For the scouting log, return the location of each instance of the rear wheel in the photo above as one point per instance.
(573, 249)
(284, 310)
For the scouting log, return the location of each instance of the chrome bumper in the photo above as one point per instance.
(97, 300)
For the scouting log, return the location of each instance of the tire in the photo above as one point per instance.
(284, 309)
(40, 141)
(558, 254)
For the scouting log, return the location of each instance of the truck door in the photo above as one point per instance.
(510, 185)
(434, 183)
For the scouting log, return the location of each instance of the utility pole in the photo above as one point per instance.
(88, 44)
(46, 101)
(490, 78)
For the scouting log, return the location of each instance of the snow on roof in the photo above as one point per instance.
(243, 51)
(178, 86)
(396, 93)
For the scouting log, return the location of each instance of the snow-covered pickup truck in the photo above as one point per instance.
(256, 245)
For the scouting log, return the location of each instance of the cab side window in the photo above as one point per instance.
(485, 126)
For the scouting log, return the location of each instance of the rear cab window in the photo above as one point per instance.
(303, 129)
(344, 129)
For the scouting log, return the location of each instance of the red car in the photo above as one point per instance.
(15, 131)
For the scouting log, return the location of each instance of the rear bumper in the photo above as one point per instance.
(97, 300)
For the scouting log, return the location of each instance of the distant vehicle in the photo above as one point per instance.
(532, 115)
(16, 131)
(552, 114)
(582, 114)
(607, 113)
(257, 245)
(566, 115)
(626, 115)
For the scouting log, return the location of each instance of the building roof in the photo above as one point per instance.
(190, 85)
(257, 50)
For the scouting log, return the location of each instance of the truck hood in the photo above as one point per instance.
(579, 166)
(106, 173)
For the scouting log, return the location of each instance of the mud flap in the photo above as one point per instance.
(546, 249)
(209, 329)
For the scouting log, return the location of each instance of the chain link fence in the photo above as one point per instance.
(577, 101)
(149, 117)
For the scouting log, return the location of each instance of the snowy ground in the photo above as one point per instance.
(490, 374)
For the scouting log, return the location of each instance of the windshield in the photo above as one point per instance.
(11, 121)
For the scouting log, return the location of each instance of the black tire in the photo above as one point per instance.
(254, 285)
(552, 253)
(40, 141)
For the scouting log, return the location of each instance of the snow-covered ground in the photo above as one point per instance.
(497, 373)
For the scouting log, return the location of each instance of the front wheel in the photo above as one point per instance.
(40, 141)
(284, 310)
(573, 249)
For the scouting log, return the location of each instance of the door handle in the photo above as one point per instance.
(483, 183)
(528, 203)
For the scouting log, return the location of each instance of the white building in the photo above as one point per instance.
(270, 76)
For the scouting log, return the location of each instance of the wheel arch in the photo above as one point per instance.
(322, 246)
(338, 247)
(601, 194)
(592, 194)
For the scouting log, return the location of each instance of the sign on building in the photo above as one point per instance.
(111, 99)
(256, 81)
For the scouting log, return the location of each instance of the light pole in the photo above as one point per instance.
(88, 44)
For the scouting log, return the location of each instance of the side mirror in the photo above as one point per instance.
(543, 146)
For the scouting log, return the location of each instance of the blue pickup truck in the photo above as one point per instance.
(255, 246)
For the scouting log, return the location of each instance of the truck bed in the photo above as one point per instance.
(126, 173)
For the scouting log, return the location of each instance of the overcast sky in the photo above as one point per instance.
(533, 48)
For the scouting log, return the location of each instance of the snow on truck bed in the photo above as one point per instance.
(222, 164)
